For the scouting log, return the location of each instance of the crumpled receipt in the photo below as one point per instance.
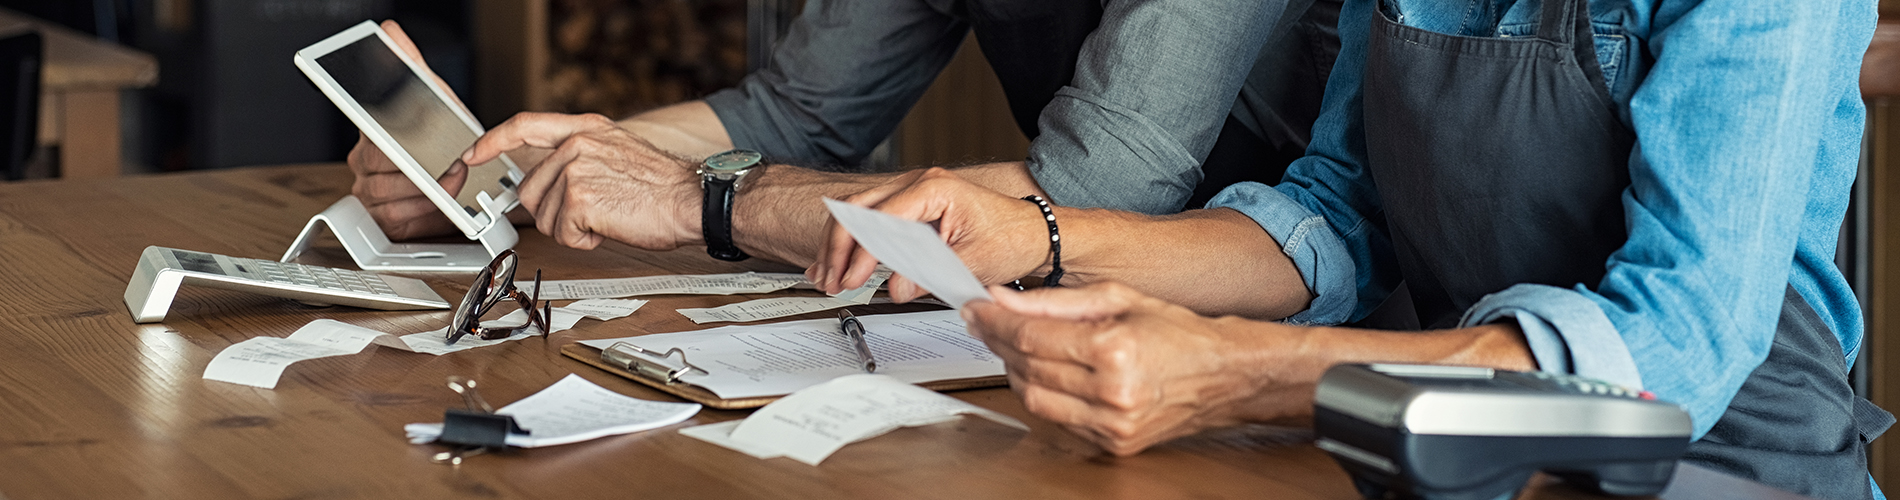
(260, 361)
(811, 424)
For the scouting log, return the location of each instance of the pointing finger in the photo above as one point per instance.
(541, 130)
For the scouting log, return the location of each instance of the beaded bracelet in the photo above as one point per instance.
(1055, 241)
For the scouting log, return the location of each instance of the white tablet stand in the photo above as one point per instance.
(373, 251)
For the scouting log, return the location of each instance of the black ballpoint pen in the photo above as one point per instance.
(855, 330)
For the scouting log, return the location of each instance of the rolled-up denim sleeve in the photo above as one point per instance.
(1556, 319)
(1326, 213)
(1747, 135)
(1317, 252)
(841, 80)
(1153, 84)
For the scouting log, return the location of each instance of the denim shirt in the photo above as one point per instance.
(1152, 87)
(1748, 122)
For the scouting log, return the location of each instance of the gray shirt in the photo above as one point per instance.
(1152, 86)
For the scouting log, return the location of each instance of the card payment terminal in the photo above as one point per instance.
(1448, 432)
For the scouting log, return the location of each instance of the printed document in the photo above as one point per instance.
(911, 249)
(811, 424)
(768, 360)
(575, 410)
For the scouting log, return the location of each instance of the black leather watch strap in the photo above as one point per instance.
(715, 218)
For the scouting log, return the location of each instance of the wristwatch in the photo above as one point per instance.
(719, 177)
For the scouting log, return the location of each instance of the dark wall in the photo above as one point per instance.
(228, 94)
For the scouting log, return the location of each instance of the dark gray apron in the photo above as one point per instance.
(1502, 161)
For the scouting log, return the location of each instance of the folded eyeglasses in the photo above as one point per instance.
(492, 283)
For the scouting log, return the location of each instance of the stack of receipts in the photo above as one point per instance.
(703, 284)
(779, 307)
(260, 361)
(715, 284)
(574, 410)
(810, 424)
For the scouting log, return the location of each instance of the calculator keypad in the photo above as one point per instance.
(317, 276)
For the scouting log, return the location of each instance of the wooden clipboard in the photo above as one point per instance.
(697, 394)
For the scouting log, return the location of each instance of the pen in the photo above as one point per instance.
(852, 328)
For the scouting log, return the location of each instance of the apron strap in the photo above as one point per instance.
(1556, 22)
(1869, 420)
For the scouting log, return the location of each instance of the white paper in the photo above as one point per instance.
(574, 410)
(862, 294)
(779, 307)
(704, 284)
(260, 361)
(435, 342)
(768, 360)
(912, 249)
(605, 309)
(811, 424)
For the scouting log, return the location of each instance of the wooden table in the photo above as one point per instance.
(95, 406)
(80, 85)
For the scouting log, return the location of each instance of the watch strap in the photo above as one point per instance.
(715, 219)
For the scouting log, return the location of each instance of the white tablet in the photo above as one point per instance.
(413, 121)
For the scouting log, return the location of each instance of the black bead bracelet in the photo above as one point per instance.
(1055, 241)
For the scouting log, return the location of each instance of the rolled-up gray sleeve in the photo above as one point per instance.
(844, 76)
(1152, 88)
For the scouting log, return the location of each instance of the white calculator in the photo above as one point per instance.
(161, 270)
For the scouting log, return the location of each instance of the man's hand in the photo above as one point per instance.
(1000, 237)
(393, 201)
(601, 181)
(1127, 371)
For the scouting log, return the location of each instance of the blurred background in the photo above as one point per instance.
(150, 86)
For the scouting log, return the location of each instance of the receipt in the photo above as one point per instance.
(912, 249)
(779, 307)
(704, 284)
(605, 309)
(764, 309)
(811, 424)
(574, 410)
(260, 361)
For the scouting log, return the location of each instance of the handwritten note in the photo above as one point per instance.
(912, 249)
(813, 423)
(574, 410)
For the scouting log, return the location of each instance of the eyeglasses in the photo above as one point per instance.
(495, 281)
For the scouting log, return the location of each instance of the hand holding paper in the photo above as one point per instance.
(911, 249)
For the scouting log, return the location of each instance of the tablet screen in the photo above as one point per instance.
(410, 112)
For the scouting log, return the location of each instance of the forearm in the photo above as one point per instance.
(1215, 262)
(1285, 363)
(779, 214)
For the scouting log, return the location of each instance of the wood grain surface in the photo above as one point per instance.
(95, 406)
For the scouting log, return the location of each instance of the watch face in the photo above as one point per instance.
(732, 161)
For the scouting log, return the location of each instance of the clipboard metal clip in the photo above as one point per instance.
(649, 363)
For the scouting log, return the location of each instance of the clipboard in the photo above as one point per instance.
(647, 367)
